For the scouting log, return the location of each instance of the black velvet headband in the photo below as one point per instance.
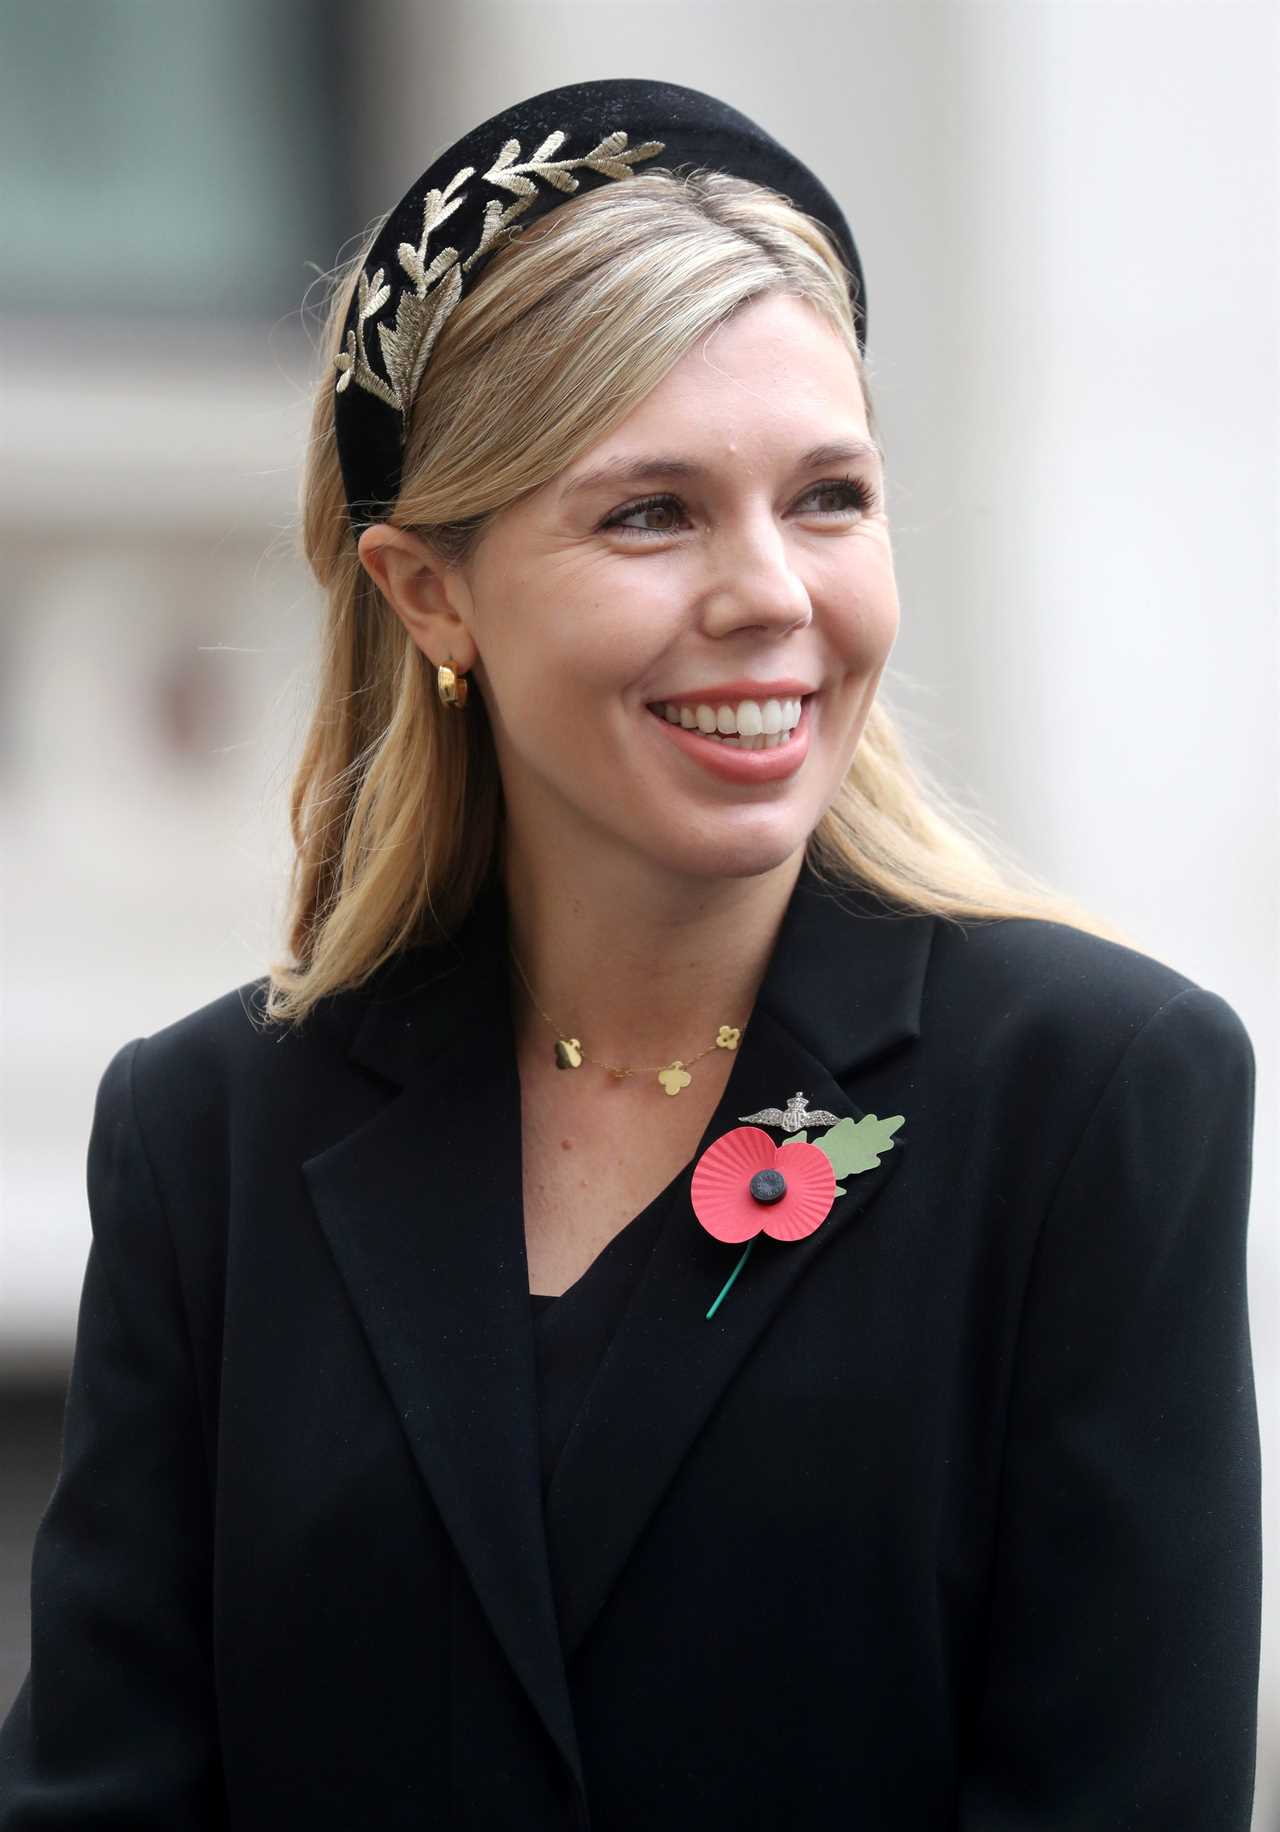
(576, 137)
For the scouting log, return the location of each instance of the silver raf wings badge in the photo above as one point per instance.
(793, 1118)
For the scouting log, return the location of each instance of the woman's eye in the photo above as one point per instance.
(848, 492)
(852, 493)
(654, 505)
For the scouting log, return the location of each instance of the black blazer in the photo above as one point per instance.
(949, 1518)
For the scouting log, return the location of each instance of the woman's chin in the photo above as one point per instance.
(728, 849)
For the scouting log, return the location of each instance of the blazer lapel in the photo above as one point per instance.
(843, 987)
(422, 1207)
(843, 990)
(423, 1211)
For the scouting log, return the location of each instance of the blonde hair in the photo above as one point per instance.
(396, 803)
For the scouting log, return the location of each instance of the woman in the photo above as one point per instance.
(694, 1299)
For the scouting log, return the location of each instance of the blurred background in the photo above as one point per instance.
(1067, 213)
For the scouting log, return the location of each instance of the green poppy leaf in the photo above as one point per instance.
(854, 1145)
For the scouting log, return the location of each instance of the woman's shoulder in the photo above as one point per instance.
(228, 1055)
(231, 1036)
(1050, 993)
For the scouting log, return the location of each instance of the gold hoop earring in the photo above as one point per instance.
(450, 685)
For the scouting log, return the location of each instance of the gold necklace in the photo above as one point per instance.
(673, 1075)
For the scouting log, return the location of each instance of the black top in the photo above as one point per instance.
(572, 1331)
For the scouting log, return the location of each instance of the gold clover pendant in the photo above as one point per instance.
(727, 1037)
(674, 1077)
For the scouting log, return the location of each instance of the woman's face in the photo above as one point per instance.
(703, 554)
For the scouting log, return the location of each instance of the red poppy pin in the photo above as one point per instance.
(744, 1185)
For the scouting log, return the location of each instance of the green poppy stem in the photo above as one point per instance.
(733, 1275)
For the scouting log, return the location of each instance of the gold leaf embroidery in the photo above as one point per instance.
(610, 159)
(418, 323)
(352, 362)
(496, 219)
(407, 345)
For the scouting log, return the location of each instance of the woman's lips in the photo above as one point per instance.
(732, 764)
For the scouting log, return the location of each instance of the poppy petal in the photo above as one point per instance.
(810, 1193)
(720, 1190)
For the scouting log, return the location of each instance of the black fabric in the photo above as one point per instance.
(573, 1331)
(692, 129)
(949, 1518)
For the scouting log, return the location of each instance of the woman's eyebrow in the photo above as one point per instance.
(652, 469)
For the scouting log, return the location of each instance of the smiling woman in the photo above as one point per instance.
(486, 1416)
(691, 301)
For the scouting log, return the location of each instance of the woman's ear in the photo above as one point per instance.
(430, 599)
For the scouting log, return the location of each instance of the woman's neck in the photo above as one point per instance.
(640, 969)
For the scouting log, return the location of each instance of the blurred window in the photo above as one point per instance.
(165, 158)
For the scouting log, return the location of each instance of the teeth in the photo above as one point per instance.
(749, 720)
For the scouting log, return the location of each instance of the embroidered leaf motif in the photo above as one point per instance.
(512, 182)
(496, 219)
(373, 296)
(405, 348)
(610, 159)
(437, 208)
(407, 345)
(552, 144)
(449, 294)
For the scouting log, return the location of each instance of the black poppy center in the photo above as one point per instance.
(768, 1186)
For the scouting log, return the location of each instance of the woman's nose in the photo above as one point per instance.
(752, 581)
